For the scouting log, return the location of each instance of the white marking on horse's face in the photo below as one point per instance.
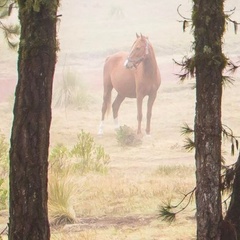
(125, 63)
(128, 64)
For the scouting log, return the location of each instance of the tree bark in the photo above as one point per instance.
(209, 21)
(32, 119)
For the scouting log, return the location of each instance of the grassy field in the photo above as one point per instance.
(122, 203)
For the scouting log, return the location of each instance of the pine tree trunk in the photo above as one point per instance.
(208, 20)
(32, 119)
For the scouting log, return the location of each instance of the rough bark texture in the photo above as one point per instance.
(208, 20)
(32, 119)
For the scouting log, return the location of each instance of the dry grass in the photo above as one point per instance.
(143, 177)
(61, 191)
(119, 195)
(155, 230)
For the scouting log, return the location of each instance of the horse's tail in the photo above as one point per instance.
(107, 88)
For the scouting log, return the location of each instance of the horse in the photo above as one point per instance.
(132, 75)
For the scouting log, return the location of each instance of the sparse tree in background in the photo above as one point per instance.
(32, 119)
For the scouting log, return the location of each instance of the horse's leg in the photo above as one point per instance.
(115, 107)
(105, 106)
(151, 100)
(139, 113)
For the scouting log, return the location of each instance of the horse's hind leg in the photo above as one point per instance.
(139, 113)
(115, 107)
(151, 100)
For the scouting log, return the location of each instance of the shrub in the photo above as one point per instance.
(127, 137)
(59, 159)
(89, 156)
(85, 157)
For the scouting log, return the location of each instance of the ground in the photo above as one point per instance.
(88, 32)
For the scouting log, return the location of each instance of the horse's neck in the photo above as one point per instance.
(150, 63)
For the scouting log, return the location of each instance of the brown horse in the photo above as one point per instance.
(132, 75)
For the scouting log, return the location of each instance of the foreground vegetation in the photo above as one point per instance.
(105, 203)
(128, 184)
(82, 185)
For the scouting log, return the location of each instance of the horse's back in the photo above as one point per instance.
(116, 61)
(122, 79)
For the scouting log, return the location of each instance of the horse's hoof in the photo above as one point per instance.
(100, 132)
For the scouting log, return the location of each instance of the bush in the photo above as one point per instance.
(85, 157)
(89, 156)
(59, 159)
(127, 137)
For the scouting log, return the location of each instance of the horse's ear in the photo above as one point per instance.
(137, 35)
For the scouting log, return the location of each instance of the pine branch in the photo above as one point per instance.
(228, 177)
(166, 215)
(186, 21)
(227, 80)
(166, 211)
(186, 130)
(232, 67)
(189, 144)
(187, 67)
(235, 23)
(227, 133)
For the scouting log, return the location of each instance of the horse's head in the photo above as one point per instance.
(138, 53)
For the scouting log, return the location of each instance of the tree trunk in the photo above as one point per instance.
(32, 119)
(208, 20)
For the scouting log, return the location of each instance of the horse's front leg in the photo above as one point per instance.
(139, 113)
(151, 100)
